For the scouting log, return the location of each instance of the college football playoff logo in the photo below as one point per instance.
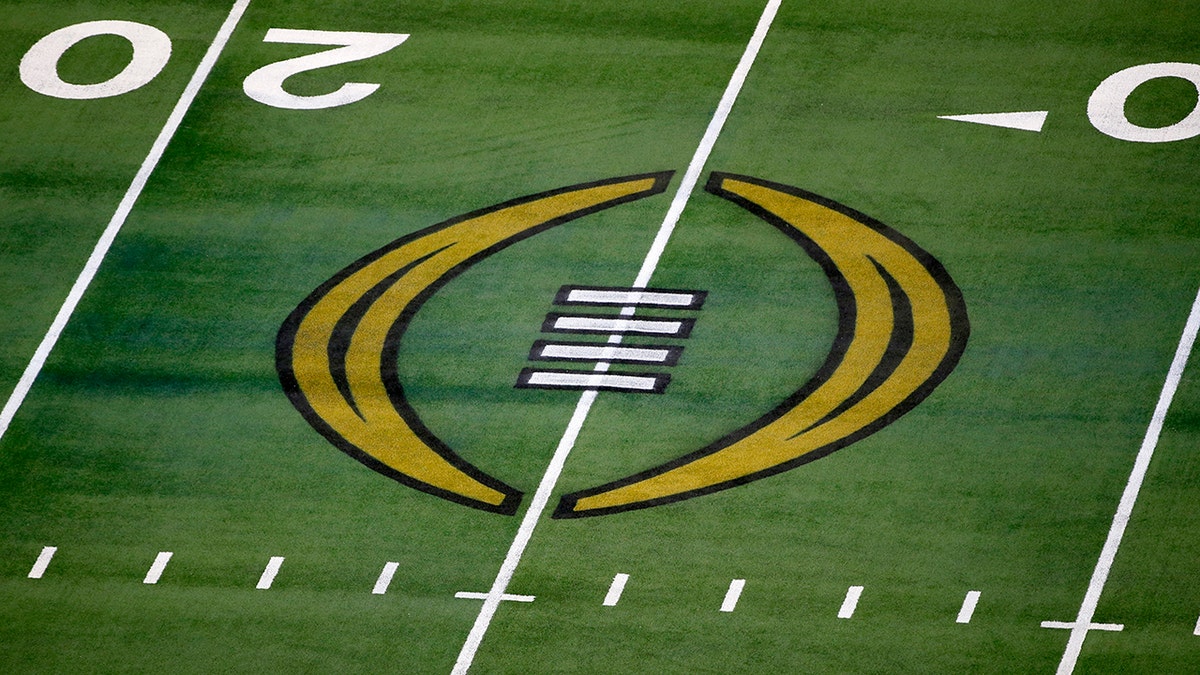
(902, 328)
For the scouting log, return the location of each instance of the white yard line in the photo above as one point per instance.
(1087, 610)
(118, 219)
(542, 497)
(540, 500)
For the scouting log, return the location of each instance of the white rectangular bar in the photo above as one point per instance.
(732, 595)
(385, 578)
(851, 602)
(968, 607)
(603, 325)
(611, 353)
(592, 381)
(156, 569)
(631, 298)
(615, 590)
(42, 562)
(472, 595)
(1074, 625)
(268, 575)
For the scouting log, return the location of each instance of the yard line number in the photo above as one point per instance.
(152, 51)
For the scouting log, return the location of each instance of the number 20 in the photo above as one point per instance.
(152, 50)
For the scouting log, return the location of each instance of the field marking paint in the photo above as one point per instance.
(42, 562)
(385, 578)
(575, 352)
(616, 589)
(968, 607)
(620, 382)
(593, 324)
(151, 52)
(1024, 121)
(542, 497)
(732, 595)
(507, 597)
(700, 158)
(586, 296)
(1087, 609)
(1070, 625)
(851, 602)
(156, 570)
(1196, 631)
(268, 575)
(118, 219)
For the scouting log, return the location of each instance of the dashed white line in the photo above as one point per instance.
(42, 562)
(268, 575)
(968, 607)
(385, 578)
(732, 595)
(615, 590)
(158, 567)
(851, 602)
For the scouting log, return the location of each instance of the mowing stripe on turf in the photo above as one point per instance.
(541, 498)
(1087, 610)
(118, 219)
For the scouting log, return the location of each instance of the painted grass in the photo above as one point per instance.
(158, 423)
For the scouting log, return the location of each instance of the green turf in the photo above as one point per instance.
(159, 423)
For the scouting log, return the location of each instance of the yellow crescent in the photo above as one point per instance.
(903, 327)
(336, 353)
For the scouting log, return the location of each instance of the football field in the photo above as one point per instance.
(507, 336)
